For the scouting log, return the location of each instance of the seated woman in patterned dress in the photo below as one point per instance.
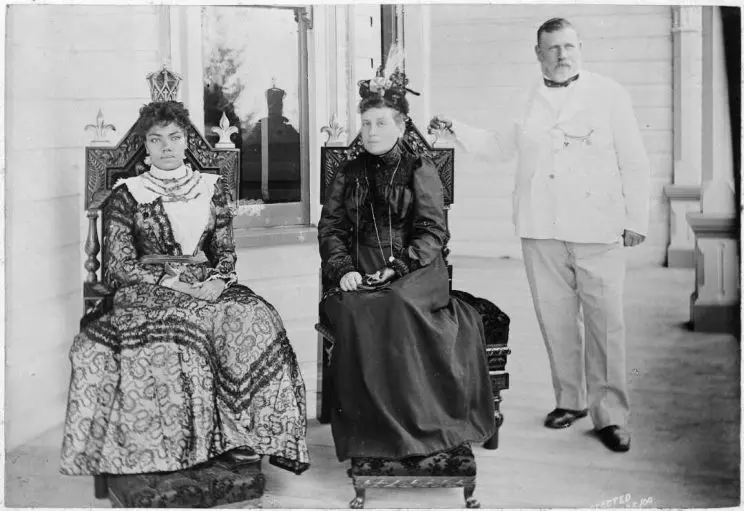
(188, 365)
(409, 364)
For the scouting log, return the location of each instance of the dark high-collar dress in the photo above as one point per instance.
(409, 366)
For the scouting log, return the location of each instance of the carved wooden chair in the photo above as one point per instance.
(455, 468)
(213, 483)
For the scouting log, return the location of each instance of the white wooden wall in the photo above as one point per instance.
(366, 32)
(480, 57)
(63, 64)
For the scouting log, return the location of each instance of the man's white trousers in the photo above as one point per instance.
(577, 291)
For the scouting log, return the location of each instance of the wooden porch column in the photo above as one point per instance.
(417, 23)
(184, 53)
(714, 305)
(684, 194)
(331, 70)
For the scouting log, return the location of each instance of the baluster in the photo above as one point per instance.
(92, 247)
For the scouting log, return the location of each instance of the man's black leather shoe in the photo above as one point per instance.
(615, 438)
(562, 418)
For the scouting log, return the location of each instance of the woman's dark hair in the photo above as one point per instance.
(399, 104)
(160, 113)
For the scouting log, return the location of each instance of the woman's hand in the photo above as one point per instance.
(351, 281)
(210, 290)
(387, 274)
(179, 286)
(381, 276)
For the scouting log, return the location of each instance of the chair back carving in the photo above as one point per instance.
(334, 157)
(104, 166)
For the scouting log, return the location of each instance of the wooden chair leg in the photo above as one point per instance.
(326, 384)
(470, 501)
(493, 442)
(321, 406)
(100, 486)
(358, 501)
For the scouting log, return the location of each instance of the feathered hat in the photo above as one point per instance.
(390, 83)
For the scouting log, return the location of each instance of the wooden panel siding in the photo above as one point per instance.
(63, 63)
(483, 56)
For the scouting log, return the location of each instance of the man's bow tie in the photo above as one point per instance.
(551, 83)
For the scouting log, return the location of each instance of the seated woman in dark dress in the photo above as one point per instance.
(189, 364)
(409, 367)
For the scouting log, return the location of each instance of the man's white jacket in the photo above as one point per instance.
(583, 173)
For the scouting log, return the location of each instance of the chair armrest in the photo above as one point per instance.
(497, 355)
(96, 290)
(325, 331)
(97, 300)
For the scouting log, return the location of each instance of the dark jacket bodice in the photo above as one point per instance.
(394, 201)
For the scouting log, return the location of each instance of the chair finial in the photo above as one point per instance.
(164, 85)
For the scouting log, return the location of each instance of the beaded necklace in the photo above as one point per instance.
(390, 216)
(178, 189)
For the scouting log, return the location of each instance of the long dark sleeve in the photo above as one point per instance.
(334, 231)
(429, 226)
(121, 259)
(220, 246)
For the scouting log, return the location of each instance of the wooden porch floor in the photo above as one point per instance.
(685, 394)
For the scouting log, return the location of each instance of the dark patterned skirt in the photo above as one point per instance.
(409, 368)
(166, 381)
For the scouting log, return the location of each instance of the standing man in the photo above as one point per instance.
(580, 196)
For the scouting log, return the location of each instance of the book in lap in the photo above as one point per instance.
(173, 259)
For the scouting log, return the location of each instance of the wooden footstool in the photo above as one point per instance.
(211, 484)
(449, 469)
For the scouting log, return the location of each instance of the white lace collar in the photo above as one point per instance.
(187, 184)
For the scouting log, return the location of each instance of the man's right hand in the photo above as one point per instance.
(439, 123)
(351, 281)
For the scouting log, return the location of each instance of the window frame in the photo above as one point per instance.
(184, 56)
